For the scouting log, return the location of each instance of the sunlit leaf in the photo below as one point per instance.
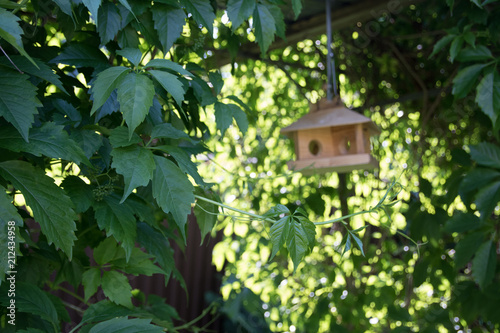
(202, 12)
(239, 10)
(265, 27)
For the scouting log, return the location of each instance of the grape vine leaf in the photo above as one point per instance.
(117, 220)
(224, 114)
(170, 83)
(117, 288)
(484, 264)
(91, 279)
(50, 140)
(18, 101)
(173, 191)
(239, 10)
(57, 221)
(135, 164)
(105, 83)
(168, 22)
(135, 95)
(110, 22)
(125, 325)
(202, 12)
(265, 27)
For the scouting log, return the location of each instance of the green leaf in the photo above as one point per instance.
(358, 242)
(132, 54)
(297, 7)
(238, 11)
(477, 3)
(30, 299)
(105, 83)
(487, 199)
(477, 178)
(8, 212)
(117, 220)
(202, 12)
(117, 288)
(11, 32)
(109, 22)
(139, 263)
(466, 247)
(265, 27)
(91, 280)
(461, 222)
(216, 80)
(279, 234)
(93, 7)
(81, 55)
(184, 162)
(169, 65)
(297, 242)
(441, 44)
(202, 92)
(124, 325)
(107, 251)
(18, 102)
(65, 6)
(168, 22)
(41, 70)
(173, 191)
(88, 140)
(224, 114)
(119, 138)
(488, 95)
(166, 130)
(456, 47)
(135, 164)
(170, 83)
(104, 310)
(157, 245)
(56, 220)
(486, 154)
(309, 228)
(205, 212)
(50, 140)
(277, 210)
(478, 53)
(79, 192)
(279, 20)
(347, 245)
(135, 95)
(466, 79)
(484, 264)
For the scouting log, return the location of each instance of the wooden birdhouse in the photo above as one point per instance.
(332, 138)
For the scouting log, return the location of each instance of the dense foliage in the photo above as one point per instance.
(105, 104)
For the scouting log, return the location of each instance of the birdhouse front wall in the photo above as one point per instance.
(314, 143)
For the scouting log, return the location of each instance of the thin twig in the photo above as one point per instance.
(13, 64)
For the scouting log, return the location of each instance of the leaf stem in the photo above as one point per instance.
(342, 218)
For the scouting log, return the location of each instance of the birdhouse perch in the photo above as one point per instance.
(332, 138)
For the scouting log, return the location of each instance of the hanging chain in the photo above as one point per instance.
(330, 65)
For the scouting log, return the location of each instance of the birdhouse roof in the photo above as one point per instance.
(330, 114)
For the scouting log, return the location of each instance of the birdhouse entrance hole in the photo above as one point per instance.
(314, 147)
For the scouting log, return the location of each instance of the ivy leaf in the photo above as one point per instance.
(40, 70)
(30, 299)
(79, 192)
(168, 65)
(18, 100)
(173, 191)
(56, 220)
(265, 27)
(297, 7)
(135, 164)
(224, 114)
(157, 245)
(119, 138)
(465, 80)
(462, 222)
(91, 281)
(105, 83)
(205, 212)
(125, 325)
(132, 54)
(202, 12)
(117, 220)
(170, 83)
(466, 247)
(135, 95)
(238, 11)
(486, 154)
(82, 55)
(93, 7)
(110, 22)
(169, 23)
(488, 95)
(117, 288)
(484, 264)
(50, 140)
(279, 234)
(441, 44)
(297, 242)
(11, 32)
